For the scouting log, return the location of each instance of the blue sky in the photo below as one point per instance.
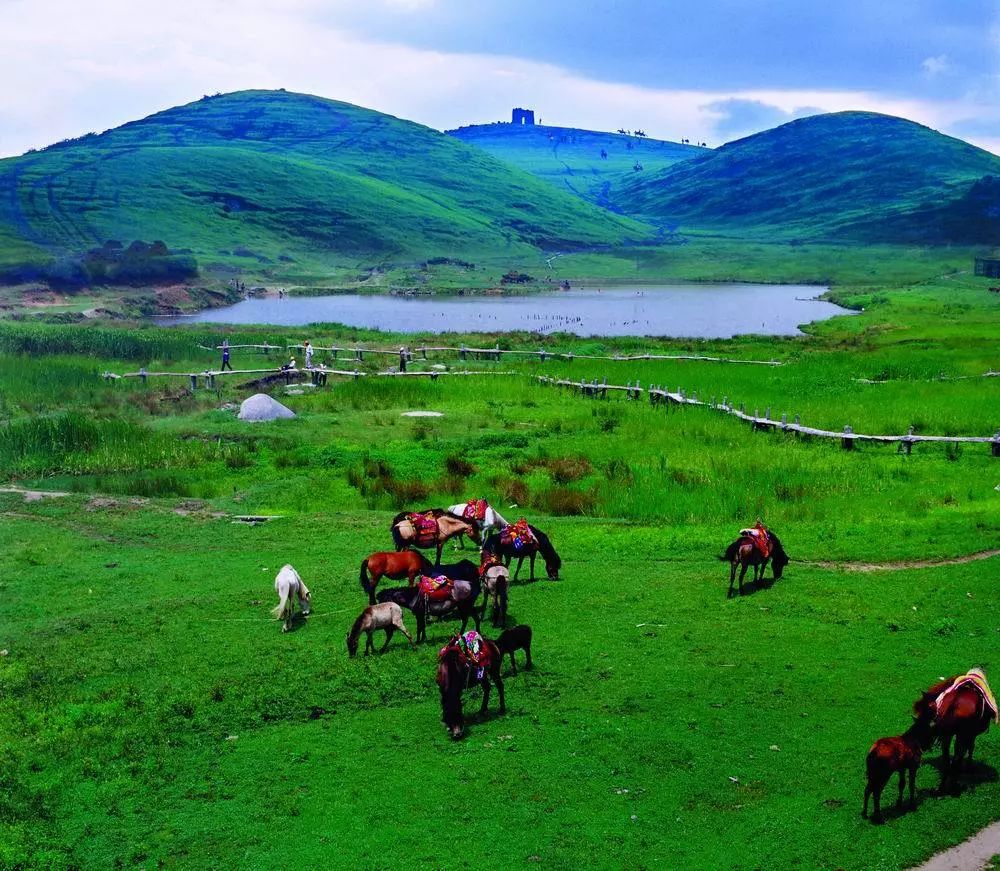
(712, 70)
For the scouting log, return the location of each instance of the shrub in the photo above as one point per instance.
(511, 489)
(564, 501)
(458, 467)
(565, 470)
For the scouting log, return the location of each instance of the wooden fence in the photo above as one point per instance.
(758, 422)
(357, 352)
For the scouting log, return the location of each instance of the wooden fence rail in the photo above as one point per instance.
(357, 352)
(758, 422)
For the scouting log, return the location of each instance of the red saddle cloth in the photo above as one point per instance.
(475, 510)
(517, 534)
(760, 537)
(473, 651)
(436, 589)
(425, 528)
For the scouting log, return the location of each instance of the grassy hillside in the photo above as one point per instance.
(850, 175)
(268, 176)
(571, 158)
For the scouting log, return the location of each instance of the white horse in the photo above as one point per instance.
(496, 583)
(492, 522)
(288, 585)
(387, 616)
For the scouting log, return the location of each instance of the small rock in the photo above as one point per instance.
(4, 652)
(735, 779)
(232, 737)
(775, 748)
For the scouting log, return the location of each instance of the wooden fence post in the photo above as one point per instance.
(143, 375)
(847, 442)
(194, 382)
(995, 445)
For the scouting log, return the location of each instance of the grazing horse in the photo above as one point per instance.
(455, 675)
(899, 754)
(744, 553)
(392, 564)
(288, 585)
(405, 534)
(541, 545)
(963, 715)
(387, 616)
(491, 522)
(518, 638)
(422, 607)
(496, 582)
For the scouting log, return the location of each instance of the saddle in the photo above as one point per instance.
(425, 528)
(517, 535)
(436, 589)
(975, 678)
(488, 561)
(473, 652)
(475, 510)
(761, 538)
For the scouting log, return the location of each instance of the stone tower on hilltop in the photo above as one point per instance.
(523, 117)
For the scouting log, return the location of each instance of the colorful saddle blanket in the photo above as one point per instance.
(436, 589)
(487, 562)
(475, 510)
(425, 528)
(760, 537)
(974, 677)
(517, 535)
(472, 651)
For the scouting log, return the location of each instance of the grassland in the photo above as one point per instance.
(151, 714)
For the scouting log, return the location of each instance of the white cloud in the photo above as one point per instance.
(69, 68)
(936, 66)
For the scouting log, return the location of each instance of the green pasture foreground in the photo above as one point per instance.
(154, 716)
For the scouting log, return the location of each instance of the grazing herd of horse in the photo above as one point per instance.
(957, 709)
(436, 590)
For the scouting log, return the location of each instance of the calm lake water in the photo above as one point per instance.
(694, 310)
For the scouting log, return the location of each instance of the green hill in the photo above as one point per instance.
(571, 158)
(854, 175)
(260, 177)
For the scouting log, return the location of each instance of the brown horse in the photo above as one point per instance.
(965, 718)
(901, 754)
(744, 553)
(454, 675)
(391, 564)
(405, 534)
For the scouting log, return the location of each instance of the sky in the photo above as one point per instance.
(705, 70)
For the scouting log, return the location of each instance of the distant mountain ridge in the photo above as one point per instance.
(571, 158)
(271, 175)
(851, 175)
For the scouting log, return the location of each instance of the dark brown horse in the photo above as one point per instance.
(454, 676)
(744, 553)
(405, 534)
(391, 564)
(541, 545)
(902, 754)
(964, 717)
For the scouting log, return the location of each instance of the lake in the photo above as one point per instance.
(682, 310)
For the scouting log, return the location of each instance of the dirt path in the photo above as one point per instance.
(971, 855)
(906, 564)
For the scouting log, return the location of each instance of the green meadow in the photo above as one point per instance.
(152, 714)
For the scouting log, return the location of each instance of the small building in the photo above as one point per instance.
(988, 267)
(523, 117)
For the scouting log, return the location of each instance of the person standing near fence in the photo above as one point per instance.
(225, 356)
(402, 359)
(309, 355)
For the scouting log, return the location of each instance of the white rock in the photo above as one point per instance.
(422, 414)
(260, 406)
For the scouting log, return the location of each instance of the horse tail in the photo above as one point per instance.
(397, 537)
(731, 551)
(364, 575)
(278, 610)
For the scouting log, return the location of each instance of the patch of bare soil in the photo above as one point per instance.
(905, 564)
(34, 495)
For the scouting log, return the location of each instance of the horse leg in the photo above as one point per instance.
(513, 663)
(369, 646)
(945, 763)
(388, 637)
(877, 795)
(732, 579)
(531, 563)
(402, 628)
(421, 625)
(743, 573)
(517, 571)
(438, 563)
(499, 682)
(376, 577)
(913, 786)
(527, 655)
(902, 786)
(486, 696)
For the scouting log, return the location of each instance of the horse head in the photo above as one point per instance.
(450, 683)
(305, 599)
(552, 560)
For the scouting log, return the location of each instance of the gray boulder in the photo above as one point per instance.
(260, 406)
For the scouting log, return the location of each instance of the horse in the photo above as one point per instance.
(541, 545)
(491, 522)
(745, 553)
(404, 534)
(453, 676)
(518, 638)
(387, 616)
(898, 754)
(463, 570)
(392, 564)
(496, 583)
(967, 717)
(422, 607)
(288, 585)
